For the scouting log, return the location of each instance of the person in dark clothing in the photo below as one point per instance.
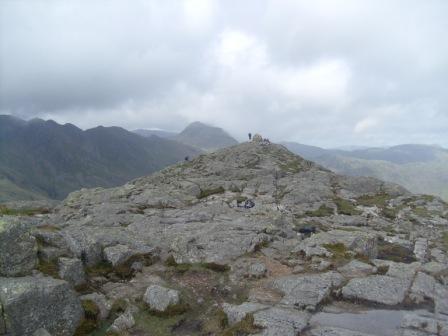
(250, 136)
(187, 158)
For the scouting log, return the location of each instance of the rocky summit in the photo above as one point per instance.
(247, 240)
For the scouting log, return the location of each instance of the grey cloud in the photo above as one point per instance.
(322, 72)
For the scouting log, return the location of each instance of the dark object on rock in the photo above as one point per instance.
(307, 230)
(187, 158)
(249, 204)
(250, 136)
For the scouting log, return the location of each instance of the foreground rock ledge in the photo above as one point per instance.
(31, 303)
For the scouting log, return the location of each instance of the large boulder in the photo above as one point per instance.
(30, 303)
(281, 321)
(159, 298)
(18, 247)
(72, 270)
(380, 289)
(307, 291)
(357, 241)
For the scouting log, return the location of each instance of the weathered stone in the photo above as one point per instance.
(415, 322)
(421, 249)
(377, 289)
(333, 331)
(30, 303)
(15, 238)
(72, 270)
(101, 302)
(120, 254)
(122, 323)
(235, 313)
(41, 332)
(307, 291)
(357, 241)
(423, 288)
(403, 271)
(435, 268)
(356, 269)
(159, 298)
(281, 321)
(256, 270)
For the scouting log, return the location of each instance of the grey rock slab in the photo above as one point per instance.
(379, 289)
(423, 287)
(421, 249)
(159, 298)
(30, 303)
(441, 299)
(235, 313)
(307, 291)
(41, 332)
(120, 254)
(434, 268)
(122, 323)
(357, 241)
(257, 270)
(18, 247)
(72, 270)
(356, 269)
(333, 331)
(281, 321)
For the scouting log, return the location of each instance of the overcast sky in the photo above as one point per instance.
(328, 73)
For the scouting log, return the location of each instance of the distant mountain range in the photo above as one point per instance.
(419, 168)
(44, 159)
(202, 136)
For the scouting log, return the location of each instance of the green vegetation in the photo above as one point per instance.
(216, 267)
(345, 207)
(382, 202)
(323, 211)
(291, 166)
(340, 253)
(50, 268)
(208, 192)
(101, 269)
(215, 323)
(22, 212)
(90, 320)
(173, 310)
(394, 252)
(155, 325)
(445, 240)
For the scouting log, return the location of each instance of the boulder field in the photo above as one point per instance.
(247, 240)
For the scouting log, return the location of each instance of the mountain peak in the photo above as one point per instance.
(205, 137)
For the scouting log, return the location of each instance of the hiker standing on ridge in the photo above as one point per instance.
(250, 136)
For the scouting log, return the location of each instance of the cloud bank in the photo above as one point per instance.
(325, 72)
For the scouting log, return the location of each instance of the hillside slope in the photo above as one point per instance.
(47, 159)
(247, 240)
(420, 168)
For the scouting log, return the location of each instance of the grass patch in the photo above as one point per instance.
(208, 192)
(215, 323)
(22, 212)
(245, 327)
(345, 207)
(101, 269)
(50, 268)
(422, 212)
(394, 252)
(153, 325)
(380, 200)
(215, 267)
(445, 240)
(173, 310)
(340, 253)
(323, 211)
